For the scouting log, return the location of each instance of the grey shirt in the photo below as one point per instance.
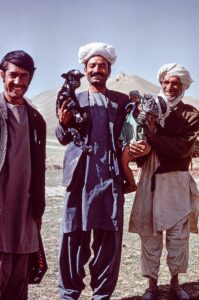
(94, 202)
(18, 230)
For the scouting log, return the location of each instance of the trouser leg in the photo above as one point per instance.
(14, 276)
(151, 250)
(177, 244)
(104, 267)
(74, 254)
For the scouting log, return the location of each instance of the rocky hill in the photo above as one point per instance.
(45, 102)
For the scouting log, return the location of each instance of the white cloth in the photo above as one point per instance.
(175, 197)
(92, 49)
(177, 245)
(174, 69)
(174, 102)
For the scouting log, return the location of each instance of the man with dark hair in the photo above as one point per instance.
(22, 175)
(94, 198)
(20, 59)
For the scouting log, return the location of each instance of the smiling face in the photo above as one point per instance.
(97, 71)
(172, 87)
(16, 81)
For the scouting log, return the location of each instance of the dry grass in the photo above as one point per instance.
(130, 283)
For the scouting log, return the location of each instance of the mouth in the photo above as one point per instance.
(97, 75)
(18, 88)
(170, 93)
(170, 96)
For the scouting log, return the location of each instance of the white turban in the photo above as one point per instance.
(93, 49)
(177, 70)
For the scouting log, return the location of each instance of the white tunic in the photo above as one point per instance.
(169, 203)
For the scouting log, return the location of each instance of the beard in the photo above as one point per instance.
(98, 82)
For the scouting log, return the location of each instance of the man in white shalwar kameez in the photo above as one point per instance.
(165, 189)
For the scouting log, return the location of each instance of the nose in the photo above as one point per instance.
(97, 68)
(169, 86)
(17, 80)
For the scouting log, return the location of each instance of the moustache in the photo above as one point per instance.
(18, 85)
(98, 74)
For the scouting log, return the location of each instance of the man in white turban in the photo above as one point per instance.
(174, 70)
(94, 198)
(163, 203)
(93, 49)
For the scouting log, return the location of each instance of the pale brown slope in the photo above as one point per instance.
(45, 102)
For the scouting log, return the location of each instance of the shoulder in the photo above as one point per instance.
(188, 114)
(118, 97)
(34, 113)
(188, 107)
(117, 94)
(188, 110)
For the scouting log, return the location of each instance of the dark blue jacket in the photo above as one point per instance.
(78, 213)
(73, 154)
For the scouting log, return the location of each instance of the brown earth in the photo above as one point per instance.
(130, 283)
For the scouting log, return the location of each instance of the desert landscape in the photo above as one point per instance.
(130, 284)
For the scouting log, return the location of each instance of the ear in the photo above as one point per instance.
(2, 74)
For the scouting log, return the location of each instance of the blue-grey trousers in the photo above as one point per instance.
(104, 266)
(14, 276)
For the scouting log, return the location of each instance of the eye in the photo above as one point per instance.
(177, 84)
(24, 76)
(92, 65)
(12, 75)
(165, 82)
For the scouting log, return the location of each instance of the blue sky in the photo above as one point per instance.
(145, 33)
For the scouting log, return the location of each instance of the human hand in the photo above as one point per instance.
(139, 149)
(64, 115)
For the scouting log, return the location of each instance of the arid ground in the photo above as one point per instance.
(130, 283)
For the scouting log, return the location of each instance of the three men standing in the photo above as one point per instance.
(93, 211)
(22, 175)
